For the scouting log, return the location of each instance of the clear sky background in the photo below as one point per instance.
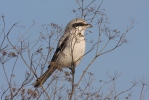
(132, 59)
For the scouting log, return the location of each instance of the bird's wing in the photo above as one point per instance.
(61, 45)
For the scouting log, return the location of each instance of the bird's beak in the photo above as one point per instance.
(88, 25)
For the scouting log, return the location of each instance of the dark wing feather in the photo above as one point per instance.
(60, 49)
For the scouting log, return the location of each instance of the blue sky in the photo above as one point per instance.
(132, 59)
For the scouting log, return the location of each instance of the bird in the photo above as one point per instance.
(70, 49)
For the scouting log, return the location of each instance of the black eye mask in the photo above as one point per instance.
(78, 24)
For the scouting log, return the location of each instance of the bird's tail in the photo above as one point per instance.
(44, 77)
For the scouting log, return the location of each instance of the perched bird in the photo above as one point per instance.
(70, 49)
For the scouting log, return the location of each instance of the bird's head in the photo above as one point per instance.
(78, 23)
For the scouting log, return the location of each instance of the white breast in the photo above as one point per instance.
(73, 51)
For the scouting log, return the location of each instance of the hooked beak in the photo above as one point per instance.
(88, 25)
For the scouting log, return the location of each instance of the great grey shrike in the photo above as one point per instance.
(70, 49)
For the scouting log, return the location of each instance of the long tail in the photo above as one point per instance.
(44, 77)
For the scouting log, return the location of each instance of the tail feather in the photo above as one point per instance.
(44, 77)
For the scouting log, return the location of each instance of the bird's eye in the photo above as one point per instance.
(81, 24)
(77, 24)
